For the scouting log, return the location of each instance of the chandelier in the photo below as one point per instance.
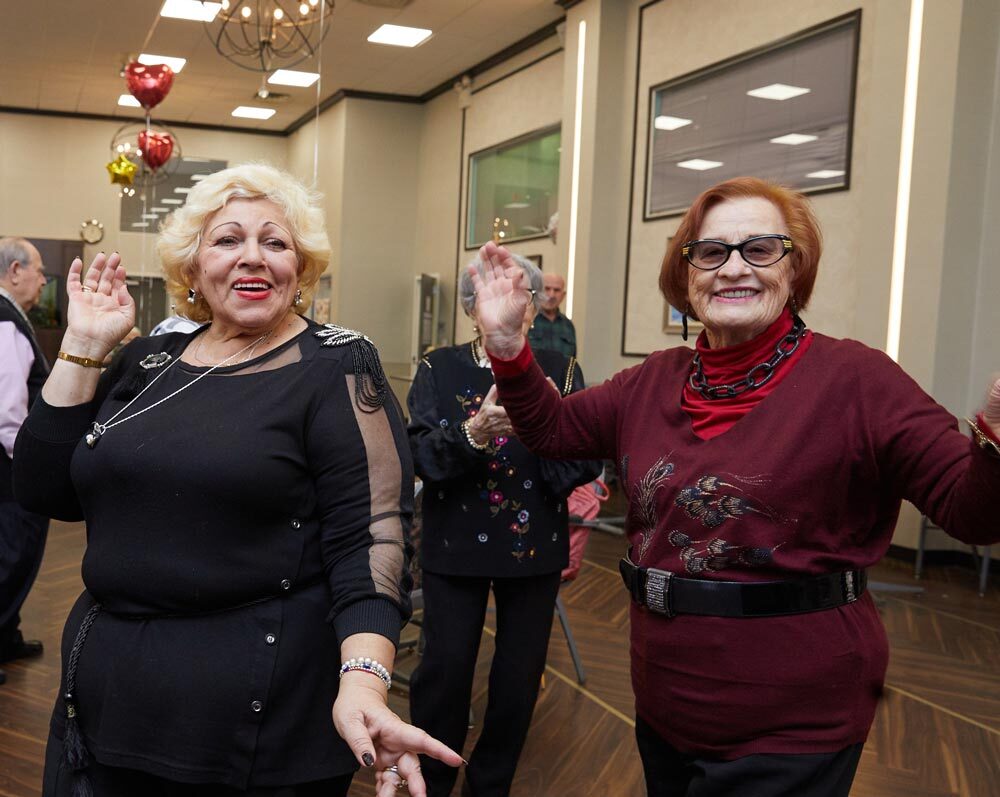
(261, 35)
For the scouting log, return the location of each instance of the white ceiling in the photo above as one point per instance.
(66, 55)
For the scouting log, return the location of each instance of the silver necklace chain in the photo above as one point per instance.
(98, 429)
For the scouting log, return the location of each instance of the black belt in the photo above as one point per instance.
(662, 592)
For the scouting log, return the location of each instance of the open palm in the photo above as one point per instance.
(501, 300)
(100, 307)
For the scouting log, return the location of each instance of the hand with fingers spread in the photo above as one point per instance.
(991, 409)
(502, 297)
(380, 739)
(101, 311)
(490, 421)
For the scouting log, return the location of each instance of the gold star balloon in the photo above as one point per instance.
(122, 170)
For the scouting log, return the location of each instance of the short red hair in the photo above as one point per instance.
(803, 229)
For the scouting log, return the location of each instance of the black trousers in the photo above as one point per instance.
(670, 773)
(22, 543)
(120, 782)
(441, 688)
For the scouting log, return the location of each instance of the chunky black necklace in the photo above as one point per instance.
(759, 375)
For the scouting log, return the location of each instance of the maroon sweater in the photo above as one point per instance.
(809, 481)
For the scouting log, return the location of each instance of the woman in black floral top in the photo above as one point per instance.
(494, 515)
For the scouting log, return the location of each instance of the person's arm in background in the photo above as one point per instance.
(16, 359)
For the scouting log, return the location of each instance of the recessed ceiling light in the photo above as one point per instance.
(826, 174)
(794, 139)
(289, 77)
(198, 177)
(140, 223)
(149, 215)
(176, 64)
(249, 112)
(778, 91)
(670, 122)
(172, 201)
(699, 165)
(399, 35)
(190, 9)
(161, 210)
(182, 189)
(129, 102)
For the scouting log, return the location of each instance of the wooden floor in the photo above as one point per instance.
(937, 731)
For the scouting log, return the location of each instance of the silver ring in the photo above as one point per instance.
(87, 289)
(395, 771)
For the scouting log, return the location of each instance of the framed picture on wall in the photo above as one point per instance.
(536, 259)
(513, 189)
(783, 112)
(674, 325)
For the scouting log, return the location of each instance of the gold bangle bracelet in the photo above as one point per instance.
(86, 362)
(983, 440)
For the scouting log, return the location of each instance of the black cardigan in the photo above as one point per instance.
(499, 513)
(232, 538)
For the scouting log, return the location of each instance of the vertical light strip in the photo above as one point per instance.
(905, 174)
(574, 195)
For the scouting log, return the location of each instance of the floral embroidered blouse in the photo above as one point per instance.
(500, 512)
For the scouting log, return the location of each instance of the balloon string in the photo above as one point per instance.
(319, 83)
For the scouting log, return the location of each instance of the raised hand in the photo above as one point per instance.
(101, 311)
(491, 420)
(991, 412)
(501, 301)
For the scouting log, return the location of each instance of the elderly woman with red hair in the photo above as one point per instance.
(764, 471)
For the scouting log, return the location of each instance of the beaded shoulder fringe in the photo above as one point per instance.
(369, 378)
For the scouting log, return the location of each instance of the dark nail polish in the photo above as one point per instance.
(368, 759)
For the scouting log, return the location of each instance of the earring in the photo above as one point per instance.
(192, 296)
(298, 298)
(684, 324)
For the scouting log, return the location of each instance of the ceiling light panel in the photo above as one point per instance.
(249, 112)
(826, 174)
(190, 9)
(289, 77)
(670, 122)
(699, 165)
(176, 64)
(399, 35)
(794, 139)
(778, 91)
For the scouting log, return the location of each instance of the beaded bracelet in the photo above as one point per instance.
(370, 666)
(471, 439)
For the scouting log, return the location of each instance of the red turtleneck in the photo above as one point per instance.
(712, 417)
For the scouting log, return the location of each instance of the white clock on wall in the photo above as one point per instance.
(91, 231)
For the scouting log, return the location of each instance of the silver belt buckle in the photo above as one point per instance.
(850, 591)
(658, 591)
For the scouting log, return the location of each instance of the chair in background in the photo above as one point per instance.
(980, 558)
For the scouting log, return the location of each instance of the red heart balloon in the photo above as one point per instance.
(149, 84)
(156, 148)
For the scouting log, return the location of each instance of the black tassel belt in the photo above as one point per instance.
(665, 593)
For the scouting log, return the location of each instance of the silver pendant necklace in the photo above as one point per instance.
(97, 430)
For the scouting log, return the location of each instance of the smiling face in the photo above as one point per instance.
(737, 301)
(246, 267)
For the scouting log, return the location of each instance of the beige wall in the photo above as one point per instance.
(53, 177)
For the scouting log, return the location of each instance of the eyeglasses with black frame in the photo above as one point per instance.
(708, 254)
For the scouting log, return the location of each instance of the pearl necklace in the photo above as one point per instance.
(97, 430)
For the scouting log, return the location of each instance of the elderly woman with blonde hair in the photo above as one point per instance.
(247, 489)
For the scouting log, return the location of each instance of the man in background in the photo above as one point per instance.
(552, 330)
(23, 371)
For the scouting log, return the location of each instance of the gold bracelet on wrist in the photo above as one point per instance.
(86, 362)
(983, 440)
(471, 439)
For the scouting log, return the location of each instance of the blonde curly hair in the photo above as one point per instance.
(181, 232)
